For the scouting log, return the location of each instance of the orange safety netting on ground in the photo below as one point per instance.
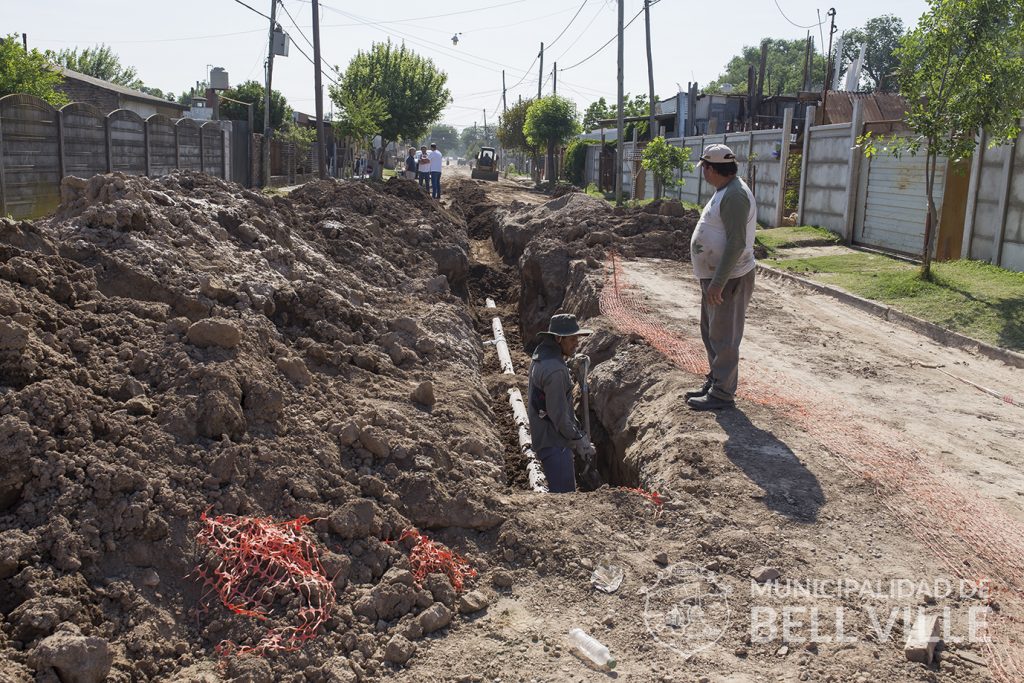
(653, 496)
(264, 569)
(428, 556)
(975, 539)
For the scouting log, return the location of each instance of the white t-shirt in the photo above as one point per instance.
(436, 160)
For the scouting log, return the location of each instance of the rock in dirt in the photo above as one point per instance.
(214, 332)
(501, 579)
(764, 574)
(424, 394)
(435, 617)
(472, 602)
(399, 650)
(75, 658)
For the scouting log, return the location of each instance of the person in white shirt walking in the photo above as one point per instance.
(722, 254)
(436, 162)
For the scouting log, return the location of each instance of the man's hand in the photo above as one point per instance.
(714, 295)
(585, 449)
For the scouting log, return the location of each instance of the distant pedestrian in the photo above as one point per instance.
(554, 428)
(722, 254)
(423, 168)
(436, 162)
(410, 164)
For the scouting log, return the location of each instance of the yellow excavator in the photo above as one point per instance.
(486, 167)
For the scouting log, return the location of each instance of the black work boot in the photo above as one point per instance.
(710, 402)
(702, 391)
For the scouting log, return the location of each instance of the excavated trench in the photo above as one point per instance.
(531, 273)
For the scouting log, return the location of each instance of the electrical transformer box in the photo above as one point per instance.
(281, 41)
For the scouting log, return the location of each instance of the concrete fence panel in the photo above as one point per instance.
(85, 140)
(189, 153)
(994, 223)
(127, 135)
(764, 175)
(212, 148)
(162, 150)
(30, 156)
(824, 196)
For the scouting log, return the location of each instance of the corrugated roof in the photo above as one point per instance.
(120, 89)
(876, 106)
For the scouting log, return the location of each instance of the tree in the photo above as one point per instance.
(961, 70)
(99, 62)
(29, 73)
(783, 72)
(880, 36)
(253, 91)
(157, 92)
(473, 138)
(303, 139)
(446, 137)
(663, 160)
(551, 121)
(358, 117)
(597, 111)
(413, 89)
(510, 127)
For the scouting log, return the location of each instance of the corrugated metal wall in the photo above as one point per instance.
(892, 202)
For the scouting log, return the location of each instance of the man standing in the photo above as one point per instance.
(423, 168)
(436, 162)
(554, 429)
(722, 253)
(410, 164)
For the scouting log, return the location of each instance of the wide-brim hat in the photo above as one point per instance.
(716, 154)
(565, 325)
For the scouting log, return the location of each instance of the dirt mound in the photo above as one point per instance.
(555, 243)
(469, 199)
(181, 345)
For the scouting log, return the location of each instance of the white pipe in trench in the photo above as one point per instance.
(534, 471)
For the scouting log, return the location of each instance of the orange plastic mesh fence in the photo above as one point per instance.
(428, 556)
(265, 570)
(975, 539)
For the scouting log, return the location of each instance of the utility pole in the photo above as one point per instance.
(828, 63)
(652, 123)
(620, 123)
(504, 103)
(555, 81)
(485, 126)
(540, 71)
(266, 94)
(24, 41)
(321, 139)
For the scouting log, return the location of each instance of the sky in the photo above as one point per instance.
(171, 45)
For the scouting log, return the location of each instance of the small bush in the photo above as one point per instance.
(576, 160)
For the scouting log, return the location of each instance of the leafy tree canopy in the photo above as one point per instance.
(253, 91)
(632, 106)
(28, 72)
(99, 62)
(510, 127)
(446, 137)
(663, 160)
(412, 88)
(157, 92)
(551, 121)
(473, 138)
(784, 70)
(881, 37)
(358, 115)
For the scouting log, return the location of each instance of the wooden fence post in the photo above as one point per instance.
(808, 122)
(780, 201)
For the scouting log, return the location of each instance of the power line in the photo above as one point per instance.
(439, 16)
(308, 41)
(583, 32)
(311, 61)
(595, 52)
(250, 7)
(569, 24)
(777, 5)
(156, 40)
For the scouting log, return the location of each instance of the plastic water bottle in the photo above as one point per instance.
(592, 648)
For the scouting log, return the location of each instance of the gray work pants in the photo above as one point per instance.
(721, 328)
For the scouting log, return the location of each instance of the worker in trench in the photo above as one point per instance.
(554, 428)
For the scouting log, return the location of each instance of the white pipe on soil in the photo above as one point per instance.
(534, 471)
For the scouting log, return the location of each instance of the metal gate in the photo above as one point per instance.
(892, 203)
(241, 169)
